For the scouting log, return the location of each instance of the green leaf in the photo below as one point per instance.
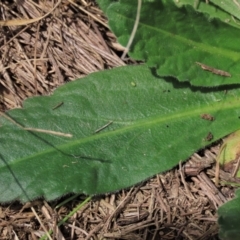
(105, 4)
(178, 40)
(230, 152)
(229, 219)
(211, 10)
(150, 125)
(231, 7)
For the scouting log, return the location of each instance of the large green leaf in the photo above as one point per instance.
(212, 10)
(155, 124)
(229, 219)
(175, 40)
(231, 7)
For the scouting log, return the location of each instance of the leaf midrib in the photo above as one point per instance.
(141, 124)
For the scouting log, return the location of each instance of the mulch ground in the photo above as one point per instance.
(69, 43)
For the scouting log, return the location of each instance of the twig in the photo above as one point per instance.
(19, 22)
(57, 106)
(89, 14)
(36, 129)
(103, 127)
(133, 31)
(49, 132)
(214, 70)
(39, 220)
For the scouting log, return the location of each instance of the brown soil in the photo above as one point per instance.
(69, 43)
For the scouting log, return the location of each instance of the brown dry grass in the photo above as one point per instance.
(67, 44)
(70, 43)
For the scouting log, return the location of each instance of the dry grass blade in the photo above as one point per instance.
(68, 45)
(42, 225)
(20, 22)
(36, 129)
(88, 13)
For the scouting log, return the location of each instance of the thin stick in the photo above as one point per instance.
(183, 180)
(49, 132)
(103, 127)
(214, 70)
(57, 106)
(134, 30)
(19, 22)
(35, 129)
(236, 3)
(10, 119)
(15, 36)
(69, 215)
(236, 168)
(35, 62)
(18, 62)
(39, 220)
(217, 170)
(89, 14)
